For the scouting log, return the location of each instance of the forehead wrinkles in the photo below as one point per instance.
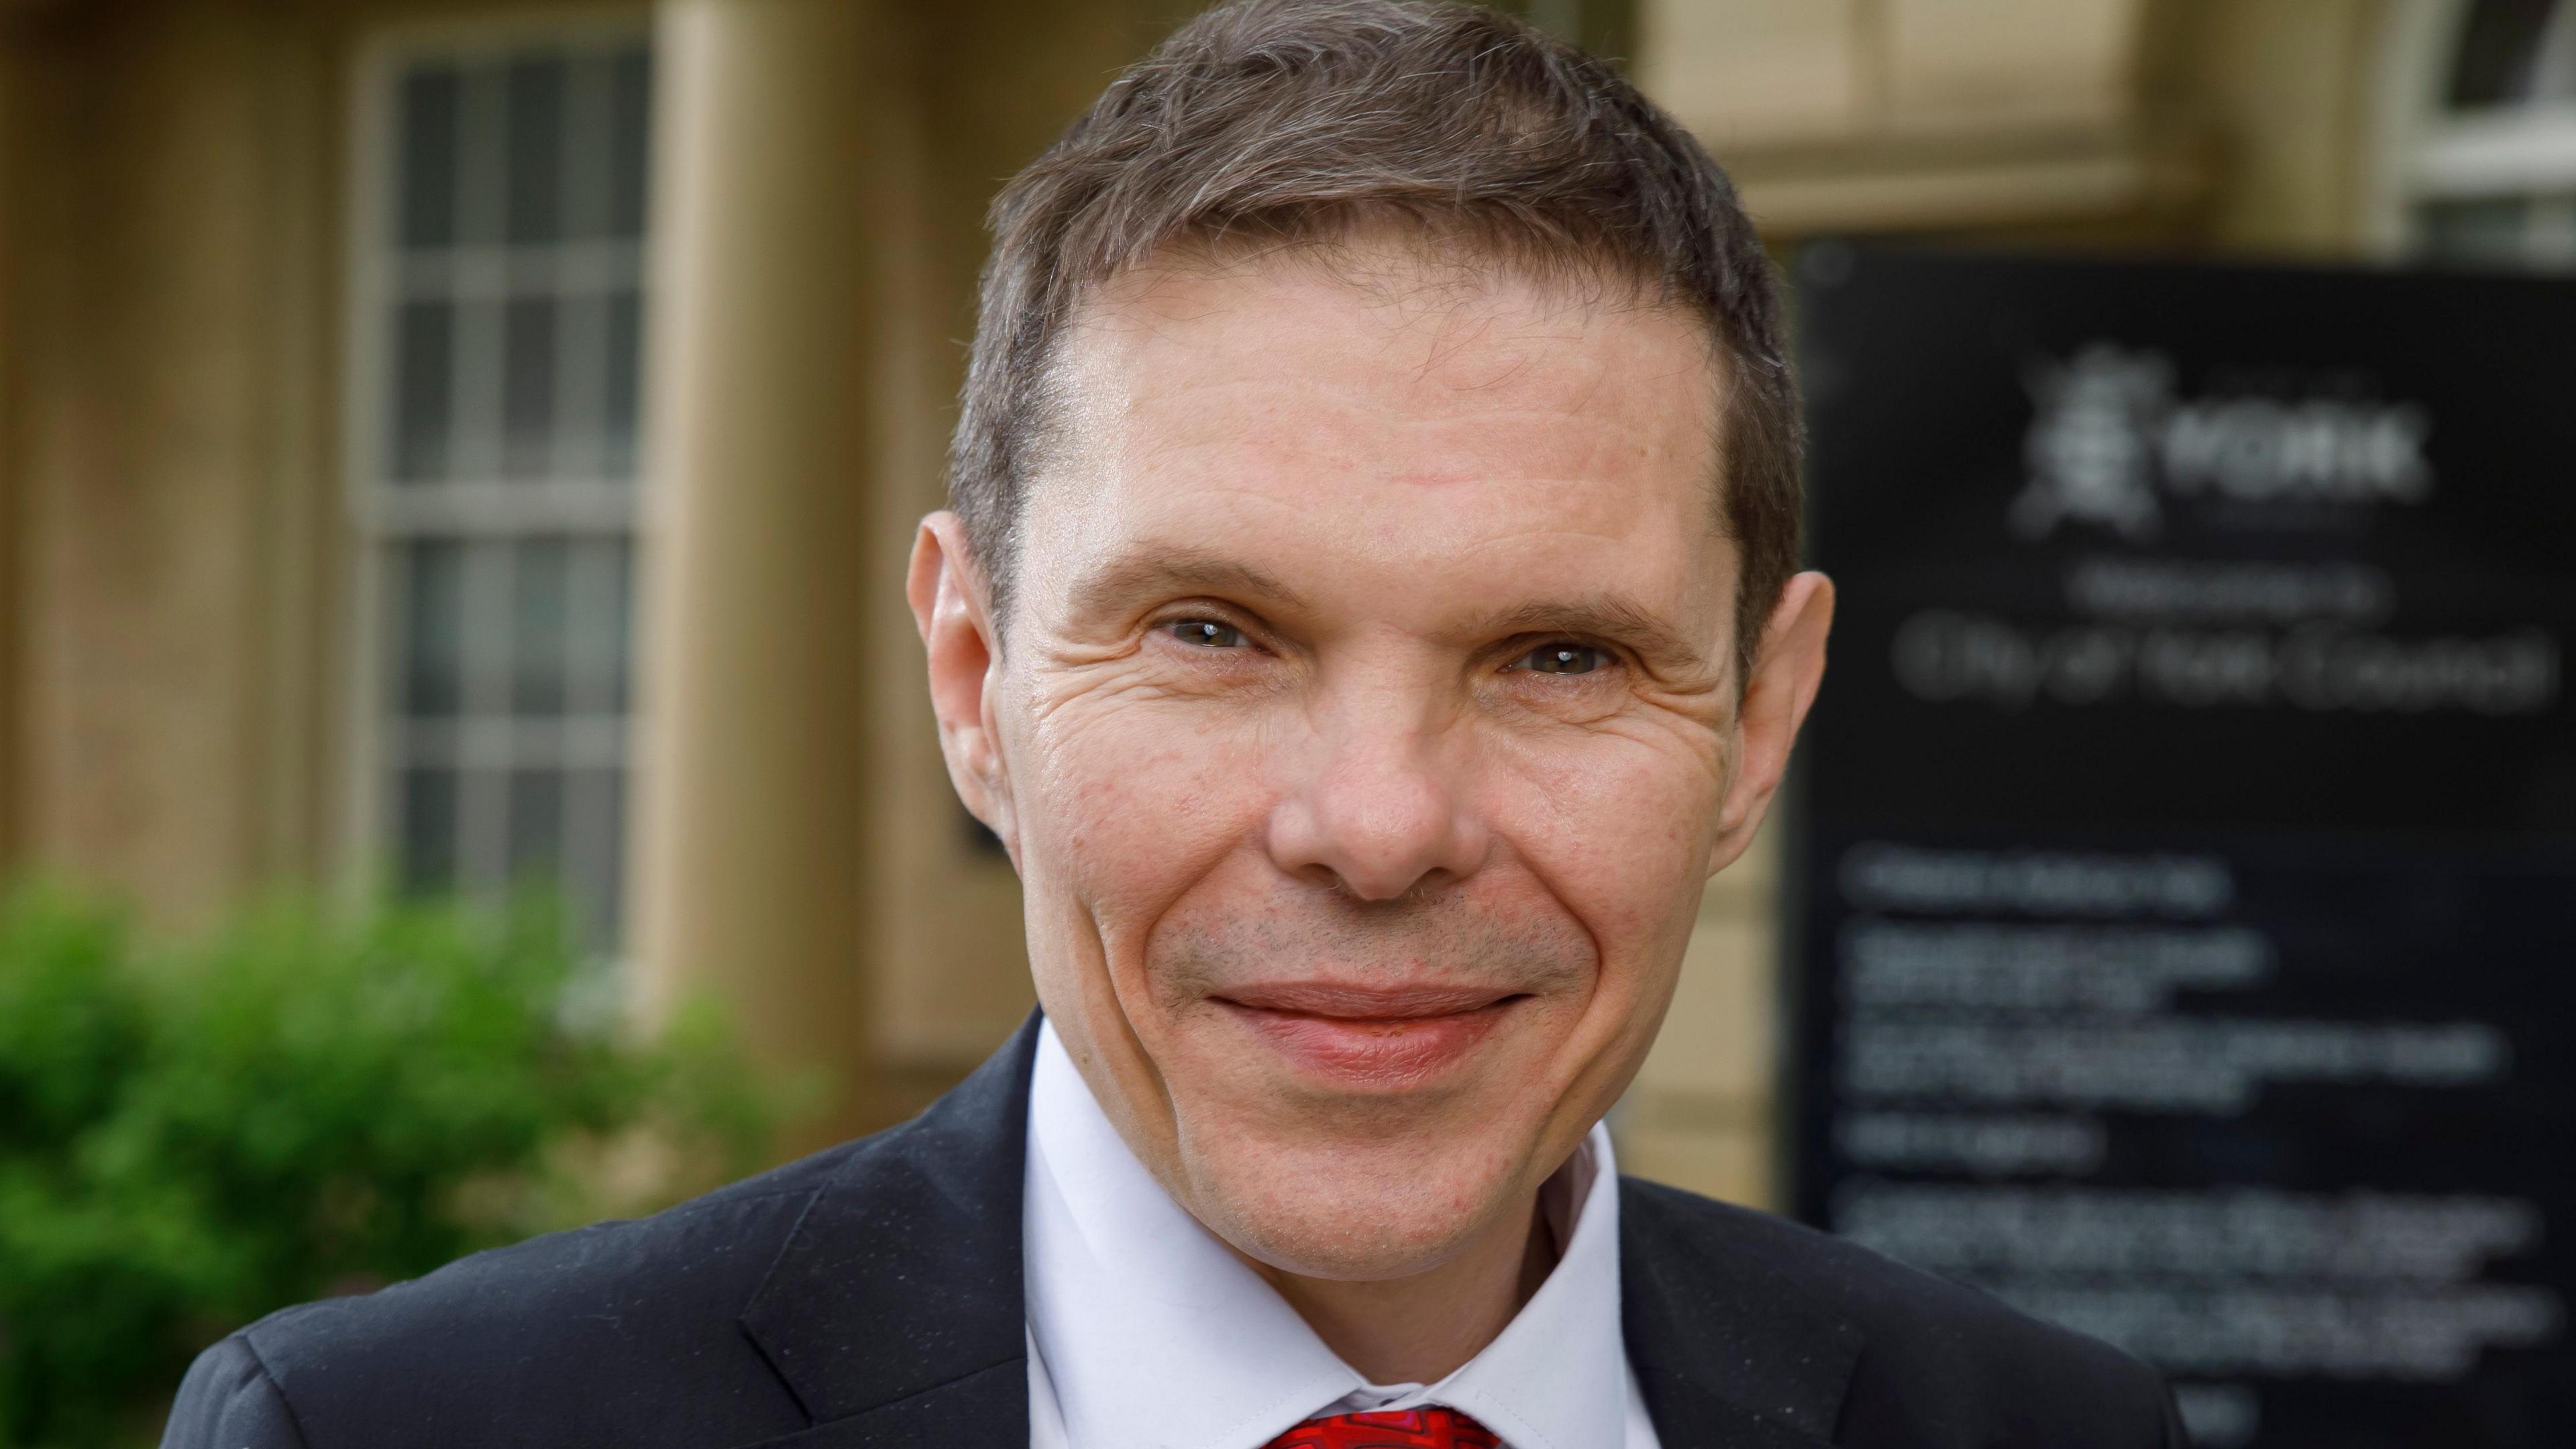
(1437, 335)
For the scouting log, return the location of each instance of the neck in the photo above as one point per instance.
(1422, 1328)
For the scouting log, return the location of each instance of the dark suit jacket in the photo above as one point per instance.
(870, 1296)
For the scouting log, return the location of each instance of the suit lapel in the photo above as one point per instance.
(1727, 1354)
(894, 1312)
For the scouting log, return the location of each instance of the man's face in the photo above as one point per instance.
(1364, 729)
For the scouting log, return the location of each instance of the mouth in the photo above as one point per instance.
(1381, 1037)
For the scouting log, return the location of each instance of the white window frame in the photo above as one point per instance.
(384, 514)
(2425, 153)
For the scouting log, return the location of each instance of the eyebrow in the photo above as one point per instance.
(1600, 616)
(1165, 573)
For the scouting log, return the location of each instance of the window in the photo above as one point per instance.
(499, 312)
(2487, 177)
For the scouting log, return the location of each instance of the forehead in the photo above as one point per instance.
(1378, 413)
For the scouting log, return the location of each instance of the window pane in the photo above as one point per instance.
(2484, 233)
(427, 167)
(424, 388)
(581, 397)
(595, 869)
(624, 378)
(595, 646)
(528, 386)
(541, 591)
(2498, 42)
(621, 576)
(2553, 66)
(433, 629)
(588, 130)
(428, 829)
(630, 118)
(536, 824)
(534, 105)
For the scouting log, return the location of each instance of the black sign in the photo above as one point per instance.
(2188, 832)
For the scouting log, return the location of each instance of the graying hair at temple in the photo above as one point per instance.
(1286, 122)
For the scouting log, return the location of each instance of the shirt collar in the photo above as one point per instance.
(1153, 1332)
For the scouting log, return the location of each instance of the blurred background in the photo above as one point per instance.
(450, 448)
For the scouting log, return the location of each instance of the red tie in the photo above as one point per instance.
(1404, 1429)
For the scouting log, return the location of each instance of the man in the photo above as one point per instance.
(1369, 615)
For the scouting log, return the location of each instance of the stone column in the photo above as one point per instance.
(171, 519)
(13, 532)
(751, 822)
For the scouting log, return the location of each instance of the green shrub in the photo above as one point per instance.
(303, 1105)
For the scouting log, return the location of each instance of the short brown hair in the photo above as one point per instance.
(1296, 120)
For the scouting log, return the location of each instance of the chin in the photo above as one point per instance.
(1356, 1210)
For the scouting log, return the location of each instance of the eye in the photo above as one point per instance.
(1563, 656)
(1206, 633)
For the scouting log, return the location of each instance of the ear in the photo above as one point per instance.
(953, 609)
(1786, 671)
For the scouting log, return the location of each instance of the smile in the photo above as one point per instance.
(1364, 1037)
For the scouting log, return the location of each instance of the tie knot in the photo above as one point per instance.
(1433, 1428)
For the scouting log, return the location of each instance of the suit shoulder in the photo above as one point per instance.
(228, 1401)
(1886, 1300)
(1932, 1351)
(494, 1339)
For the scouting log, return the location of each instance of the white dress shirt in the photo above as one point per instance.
(1146, 1332)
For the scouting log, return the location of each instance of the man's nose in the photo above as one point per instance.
(1378, 808)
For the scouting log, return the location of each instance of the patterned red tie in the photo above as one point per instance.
(1404, 1429)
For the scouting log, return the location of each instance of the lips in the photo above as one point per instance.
(1370, 1037)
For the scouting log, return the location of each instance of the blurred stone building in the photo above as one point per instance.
(444, 441)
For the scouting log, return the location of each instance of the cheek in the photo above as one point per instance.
(1124, 807)
(1620, 829)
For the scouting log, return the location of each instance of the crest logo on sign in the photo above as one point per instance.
(2111, 444)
